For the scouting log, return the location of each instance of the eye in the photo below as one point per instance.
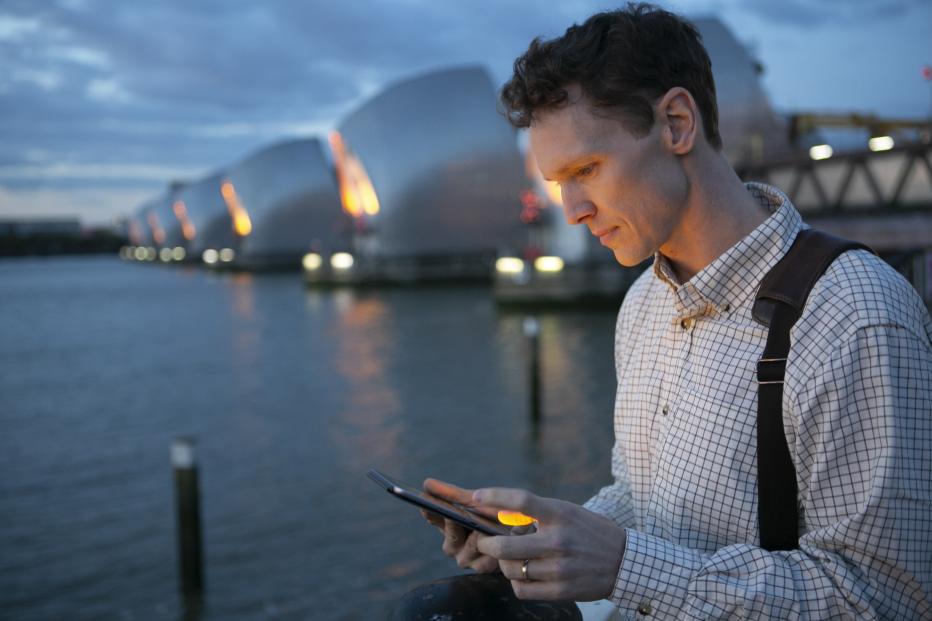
(585, 171)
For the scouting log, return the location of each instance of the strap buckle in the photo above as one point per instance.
(771, 370)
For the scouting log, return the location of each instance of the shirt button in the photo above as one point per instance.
(665, 410)
(686, 323)
(645, 609)
(726, 307)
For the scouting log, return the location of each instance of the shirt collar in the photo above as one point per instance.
(734, 276)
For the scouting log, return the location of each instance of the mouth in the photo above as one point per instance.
(605, 234)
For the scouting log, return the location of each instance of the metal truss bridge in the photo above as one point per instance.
(883, 199)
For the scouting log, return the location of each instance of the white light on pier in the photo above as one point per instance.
(210, 256)
(140, 253)
(178, 253)
(311, 261)
(227, 255)
(820, 152)
(165, 255)
(509, 265)
(548, 264)
(880, 143)
(341, 261)
(151, 254)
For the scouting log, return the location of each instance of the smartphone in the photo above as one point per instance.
(450, 510)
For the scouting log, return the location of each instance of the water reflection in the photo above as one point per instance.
(244, 300)
(369, 425)
(294, 394)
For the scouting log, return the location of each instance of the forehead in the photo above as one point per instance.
(564, 135)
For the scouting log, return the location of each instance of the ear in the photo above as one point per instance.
(678, 117)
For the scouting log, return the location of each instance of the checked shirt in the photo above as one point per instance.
(857, 406)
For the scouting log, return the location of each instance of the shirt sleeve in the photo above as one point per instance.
(864, 462)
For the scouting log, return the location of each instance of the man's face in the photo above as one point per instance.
(629, 191)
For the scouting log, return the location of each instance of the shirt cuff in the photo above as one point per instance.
(654, 576)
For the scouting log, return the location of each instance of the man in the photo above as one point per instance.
(622, 113)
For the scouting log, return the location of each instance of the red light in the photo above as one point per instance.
(530, 199)
(529, 214)
(927, 72)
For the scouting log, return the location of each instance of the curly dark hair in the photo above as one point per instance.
(622, 60)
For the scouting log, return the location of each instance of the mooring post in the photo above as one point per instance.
(532, 332)
(187, 502)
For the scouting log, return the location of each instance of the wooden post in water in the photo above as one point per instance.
(532, 332)
(187, 503)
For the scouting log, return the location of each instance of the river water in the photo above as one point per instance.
(291, 395)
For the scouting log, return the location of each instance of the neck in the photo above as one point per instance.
(719, 212)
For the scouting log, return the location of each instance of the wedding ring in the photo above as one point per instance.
(524, 575)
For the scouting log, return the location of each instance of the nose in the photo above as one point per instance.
(576, 206)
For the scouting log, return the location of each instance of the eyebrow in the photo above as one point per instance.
(577, 163)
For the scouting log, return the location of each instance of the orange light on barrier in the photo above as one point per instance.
(135, 233)
(158, 233)
(187, 227)
(356, 191)
(241, 222)
(514, 518)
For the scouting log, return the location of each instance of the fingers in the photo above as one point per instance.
(538, 569)
(448, 491)
(545, 579)
(538, 545)
(469, 553)
(542, 509)
(485, 565)
(458, 495)
(454, 538)
(524, 530)
(433, 518)
(543, 590)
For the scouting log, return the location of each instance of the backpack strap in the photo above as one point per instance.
(778, 304)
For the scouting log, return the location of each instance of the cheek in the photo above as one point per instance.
(669, 181)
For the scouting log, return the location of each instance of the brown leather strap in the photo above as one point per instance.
(778, 305)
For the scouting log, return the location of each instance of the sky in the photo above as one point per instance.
(103, 102)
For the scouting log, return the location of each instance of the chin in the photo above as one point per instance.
(630, 259)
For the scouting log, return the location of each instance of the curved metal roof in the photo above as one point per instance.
(443, 163)
(208, 214)
(289, 193)
(749, 126)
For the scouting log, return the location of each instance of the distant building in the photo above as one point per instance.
(45, 226)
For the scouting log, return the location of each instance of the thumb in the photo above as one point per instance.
(541, 509)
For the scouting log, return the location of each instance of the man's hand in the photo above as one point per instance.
(458, 542)
(574, 555)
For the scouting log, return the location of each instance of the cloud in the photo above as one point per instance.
(13, 28)
(127, 172)
(108, 90)
(77, 54)
(44, 79)
(808, 13)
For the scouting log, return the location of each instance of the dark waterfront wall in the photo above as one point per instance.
(50, 243)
